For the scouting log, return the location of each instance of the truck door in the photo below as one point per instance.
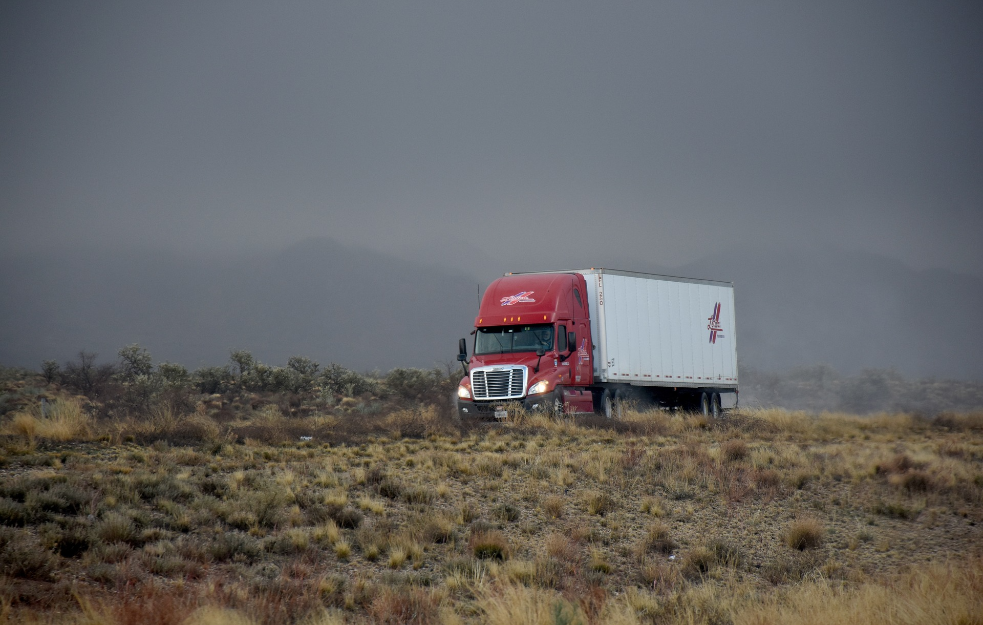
(581, 358)
(583, 371)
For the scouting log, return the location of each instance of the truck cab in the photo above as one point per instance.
(532, 345)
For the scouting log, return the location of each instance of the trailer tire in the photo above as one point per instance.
(715, 411)
(704, 405)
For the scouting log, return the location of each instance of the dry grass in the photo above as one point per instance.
(936, 593)
(58, 420)
(762, 517)
(802, 534)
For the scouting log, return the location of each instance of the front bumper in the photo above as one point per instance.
(467, 409)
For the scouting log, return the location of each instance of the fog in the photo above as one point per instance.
(338, 180)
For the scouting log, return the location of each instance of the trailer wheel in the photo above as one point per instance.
(704, 408)
(715, 406)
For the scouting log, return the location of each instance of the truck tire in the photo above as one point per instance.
(609, 407)
(704, 406)
(715, 406)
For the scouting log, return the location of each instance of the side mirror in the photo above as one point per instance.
(572, 341)
(462, 354)
(540, 351)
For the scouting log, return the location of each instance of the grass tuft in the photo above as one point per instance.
(489, 544)
(805, 533)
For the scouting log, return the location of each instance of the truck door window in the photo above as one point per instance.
(561, 338)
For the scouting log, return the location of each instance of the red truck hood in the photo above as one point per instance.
(519, 358)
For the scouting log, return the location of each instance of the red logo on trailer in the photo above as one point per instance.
(714, 325)
(518, 298)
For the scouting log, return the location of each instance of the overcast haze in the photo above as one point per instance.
(488, 137)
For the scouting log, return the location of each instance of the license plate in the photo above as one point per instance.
(501, 413)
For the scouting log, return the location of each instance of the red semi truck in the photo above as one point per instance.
(593, 340)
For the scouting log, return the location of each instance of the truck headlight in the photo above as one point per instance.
(463, 392)
(539, 387)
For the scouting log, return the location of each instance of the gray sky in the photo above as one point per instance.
(437, 130)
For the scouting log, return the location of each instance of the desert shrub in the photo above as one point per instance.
(726, 553)
(894, 509)
(419, 495)
(600, 503)
(373, 539)
(173, 375)
(916, 481)
(60, 420)
(489, 544)
(60, 499)
(13, 513)
(733, 450)
(86, 377)
(805, 533)
(21, 556)
(115, 528)
(50, 371)
(242, 362)
(790, 567)
(338, 380)
(71, 542)
(507, 513)
(289, 542)
(437, 530)
(390, 487)
(347, 517)
(134, 362)
(306, 372)
(153, 487)
(897, 464)
(553, 506)
(417, 385)
(698, 562)
(657, 539)
(405, 605)
(212, 380)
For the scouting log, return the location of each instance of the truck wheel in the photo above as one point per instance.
(715, 406)
(704, 407)
(608, 407)
(557, 407)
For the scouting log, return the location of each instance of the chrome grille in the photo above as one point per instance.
(498, 382)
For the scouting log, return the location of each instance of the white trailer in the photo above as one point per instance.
(656, 330)
(676, 336)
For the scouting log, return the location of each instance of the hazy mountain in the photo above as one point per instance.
(850, 310)
(365, 309)
(318, 298)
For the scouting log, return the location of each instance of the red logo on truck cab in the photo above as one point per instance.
(714, 325)
(518, 298)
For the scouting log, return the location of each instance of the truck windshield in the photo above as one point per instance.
(508, 339)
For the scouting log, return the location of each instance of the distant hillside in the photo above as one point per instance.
(319, 298)
(852, 311)
(368, 310)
